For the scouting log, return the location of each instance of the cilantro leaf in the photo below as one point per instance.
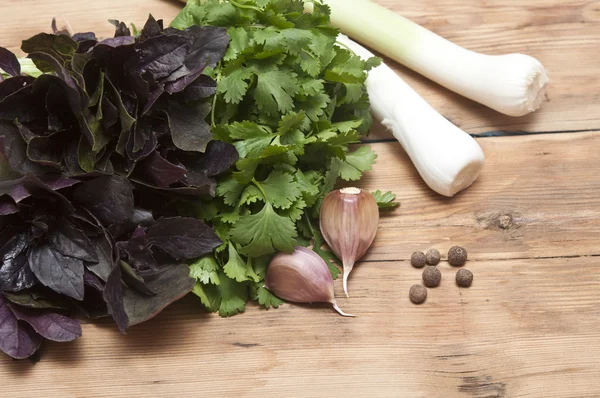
(205, 270)
(229, 297)
(237, 268)
(235, 85)
(385, 200)
(281, 189)
(230, 189)
(274, 91)
(266, 298)
(356, 163)
(264, 232)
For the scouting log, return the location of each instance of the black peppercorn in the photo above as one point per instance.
(417, 294)
(464, 278)
(418, 259)
(457, 256)
(433, 257)
(432, 276)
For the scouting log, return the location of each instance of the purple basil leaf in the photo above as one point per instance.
(50, 325)
(179, 84)
(26, 133)
(151, 28)
(29, 300)
(117, 41)
(15, 274)
(160, 171)
(7, 206)
(171, 284)
(183, 238)
(159, 56)
(197, 191)
(141, 217)
(144, 138)
(134, 280)
(104, 266)
(15, 151)
(217, 159)
(121, 28)
(60, 47)
(72, 242)
(47, 187)
(110, 198)
(17, 339)
(189, 131)
(60, 273)
(110, 114)
(203, 87)
(137, 251)
(113, 296)
(9, 62)
(13, 85)
(47, 151)
(84, 36)
(209, 44)
(21, 104)
(90, 279)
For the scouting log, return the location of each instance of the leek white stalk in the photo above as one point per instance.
(448, 159)
(513, 84)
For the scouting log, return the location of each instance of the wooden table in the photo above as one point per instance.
(528, 327)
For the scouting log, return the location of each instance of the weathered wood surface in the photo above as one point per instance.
(528, 327)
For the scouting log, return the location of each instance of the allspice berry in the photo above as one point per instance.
(432, 276)
(457, 256)
(464, 278)
(417, 294)
(433, 257)
(418, 259)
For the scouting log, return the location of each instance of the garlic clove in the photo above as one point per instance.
(349, 220)
(301, 277)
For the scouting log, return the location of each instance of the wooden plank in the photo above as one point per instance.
(542, 187)
(526, 328)
(561, 34)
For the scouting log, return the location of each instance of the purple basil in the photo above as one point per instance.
(97, 154)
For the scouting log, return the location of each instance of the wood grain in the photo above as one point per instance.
(563, 35)
(536, 197)
(528, 327)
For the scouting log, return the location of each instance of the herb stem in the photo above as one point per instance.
(214, 102)
(260, 189)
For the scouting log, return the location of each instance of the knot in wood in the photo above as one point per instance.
(505, 221)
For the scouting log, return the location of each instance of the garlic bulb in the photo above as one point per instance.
(348, 221)
(301, 277)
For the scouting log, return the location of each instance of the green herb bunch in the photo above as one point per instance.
(292, 102)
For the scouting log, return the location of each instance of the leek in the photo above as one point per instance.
(513, 84)
(448, 159)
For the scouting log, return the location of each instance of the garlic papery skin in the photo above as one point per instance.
(301, 277)
(448, 159)
(348, 221)
(513, 84)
